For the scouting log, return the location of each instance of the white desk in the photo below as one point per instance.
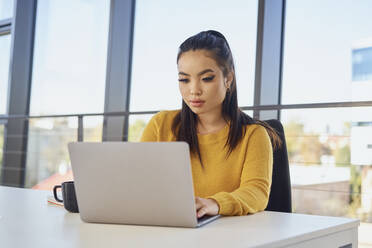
(27, 220)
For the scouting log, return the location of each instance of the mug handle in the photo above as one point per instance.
(55, 193)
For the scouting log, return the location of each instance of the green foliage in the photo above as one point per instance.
(293, 131)
(342, 155)
(309, 147)
(57, 139)
(135, 130)
(93, 134)
(47, 149)
(302, 147)
(355, 188)
(347, 129)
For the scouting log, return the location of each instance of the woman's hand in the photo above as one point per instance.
(206, 207)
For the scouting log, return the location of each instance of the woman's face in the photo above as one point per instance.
(201, 81)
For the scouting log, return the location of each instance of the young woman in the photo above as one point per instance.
(231, 153)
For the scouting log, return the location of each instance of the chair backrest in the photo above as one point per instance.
(280, 195)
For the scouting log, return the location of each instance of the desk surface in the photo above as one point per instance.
(27, 219)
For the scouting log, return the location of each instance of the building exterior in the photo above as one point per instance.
(361, 129)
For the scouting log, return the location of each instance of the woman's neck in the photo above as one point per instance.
(210, 122)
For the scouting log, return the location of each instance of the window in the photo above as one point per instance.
(1, 145)
(362, 63)
(157, 36)
(327, 51)
(4, 71)
(69, 67)
(327, 58)
(137, 124)
(92, 128)
(249, 112)
(6, 9)
(48, 162)
(69, 75)
(330, 155)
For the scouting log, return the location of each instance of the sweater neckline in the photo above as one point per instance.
(214, 137)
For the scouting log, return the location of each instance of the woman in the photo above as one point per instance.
(231, 153)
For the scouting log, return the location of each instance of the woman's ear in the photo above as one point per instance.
(229, 79)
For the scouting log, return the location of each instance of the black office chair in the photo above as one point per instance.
(280, 199)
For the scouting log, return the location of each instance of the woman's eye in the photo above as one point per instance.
(183, 80)
(207, 79)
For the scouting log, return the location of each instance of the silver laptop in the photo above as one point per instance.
(146, 183)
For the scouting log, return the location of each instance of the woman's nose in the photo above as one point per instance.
(195, 89)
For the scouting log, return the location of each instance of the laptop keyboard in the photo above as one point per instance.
(205, 217)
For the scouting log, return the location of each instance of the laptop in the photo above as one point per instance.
(146, 183)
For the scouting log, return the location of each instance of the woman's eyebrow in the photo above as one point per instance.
(205, 71)
(200, 73)
(182, 73)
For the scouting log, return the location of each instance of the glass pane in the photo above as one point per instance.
(137, 124)
(1, 146)
(48, 161)
(4, 71)
(314, 136)
(158, 35)
(6, 9)
(69, 67)
(93, 128)
(327, 59)
(330, 154)
(249, 112)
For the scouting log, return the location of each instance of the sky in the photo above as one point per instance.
(70, 57)
(155, 49)
(317, 65)
(70, 64)
(4, 69)
(318, 46)
(6, 8)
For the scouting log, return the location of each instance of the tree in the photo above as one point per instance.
(311, 149)
(293, 132)
(342, 155)
(302, 147)
(136, 129)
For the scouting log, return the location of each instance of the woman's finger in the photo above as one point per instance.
(202, 212)
(198, 203)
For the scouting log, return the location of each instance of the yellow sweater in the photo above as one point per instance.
(241, 183)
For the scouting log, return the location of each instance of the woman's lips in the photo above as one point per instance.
(196, 103)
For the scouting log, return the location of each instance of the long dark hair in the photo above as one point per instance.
(185, 122)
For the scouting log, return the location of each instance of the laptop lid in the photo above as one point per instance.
(134, 183)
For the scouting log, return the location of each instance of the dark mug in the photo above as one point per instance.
(68, 195)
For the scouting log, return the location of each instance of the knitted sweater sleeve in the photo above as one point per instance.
(253, 193)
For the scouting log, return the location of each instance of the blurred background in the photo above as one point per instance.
(93, 70)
